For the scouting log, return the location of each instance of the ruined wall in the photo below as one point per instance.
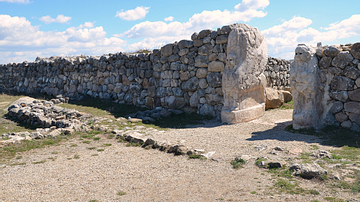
(337, 91)
(183, 75)
(277, 72)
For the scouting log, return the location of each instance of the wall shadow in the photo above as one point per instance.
(329, 136)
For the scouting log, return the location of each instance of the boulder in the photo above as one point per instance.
(274, 98)
(308, 171)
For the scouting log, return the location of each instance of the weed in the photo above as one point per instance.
(238, 163)
(133, 144)
(86, 142)
(253, 192)
(100, 150)
(281, 172)
(39, 162)
(18, 164)
(333, 199)
(73, 145)
(314, 147)
(111, 136)
(93, 200)
(96, 138)
(76, 156)
(121, 193)
(258, 161)
(54, 152)
(18, 157)
(91, 148)
(95, 155)
(87, 136)
(288, 105)
(107, 145)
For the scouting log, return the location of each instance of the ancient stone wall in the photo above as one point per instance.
(183, 75)
(277, 72)
(331, 92)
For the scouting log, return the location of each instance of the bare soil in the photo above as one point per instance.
(77, 171)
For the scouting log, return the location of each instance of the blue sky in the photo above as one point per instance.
(31, 28)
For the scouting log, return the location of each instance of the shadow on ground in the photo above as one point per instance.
(330, 135)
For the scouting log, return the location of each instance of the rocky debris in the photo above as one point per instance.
(276, 150)
(153, 115)
(52, 120)
(321, 154)
(275, 164)
(308, 171)
(261, 148)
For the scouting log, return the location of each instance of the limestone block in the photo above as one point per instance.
(222, 39)
(167, 50)
(183, 52)
(214, 79)
(339, 95)
(184, 76)
(201, 61)
(331, 51)
(194, 100)
(354, 95)
(357, 82)
(342, 83)
(336, 107)
(342, 59)
(205, 49)
(201, 73)
(243, 81)
(185, 44)
(198, 42)
(274, 98)
(355, 117)
(216, 66)
(304, 81)
(325, 62)
(355, 50)
(352, 107)
(213, 57)
(341, 117)
(191, 85)
(351, 72)
(287, 95)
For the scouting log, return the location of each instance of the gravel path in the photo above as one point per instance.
(152, 175)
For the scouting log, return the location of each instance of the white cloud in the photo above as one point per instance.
(199, 21)
(252, 5)
(16, 1)
(169, 19)
(20, 41)
(134, 14)
(59, 19)
(282, 39)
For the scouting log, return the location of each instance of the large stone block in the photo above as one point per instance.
(354, 95)
(342, 83)
(305, 82)
(243, 81)
(355, 50)
(216, 66)
(274, 98)
(342, 59)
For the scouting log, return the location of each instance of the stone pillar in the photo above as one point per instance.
(305, 84)
(243, 81)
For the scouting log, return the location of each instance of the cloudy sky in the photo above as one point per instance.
(31, 28)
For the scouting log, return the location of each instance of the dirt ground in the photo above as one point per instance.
(106, 170)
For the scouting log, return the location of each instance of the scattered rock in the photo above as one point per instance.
(308, 171)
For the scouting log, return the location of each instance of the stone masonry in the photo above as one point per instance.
(335, 93)
(184, 75)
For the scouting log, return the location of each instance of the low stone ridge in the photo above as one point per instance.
(330, 94)
(52, 120)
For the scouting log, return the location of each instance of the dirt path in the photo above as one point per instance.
(76, 171)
